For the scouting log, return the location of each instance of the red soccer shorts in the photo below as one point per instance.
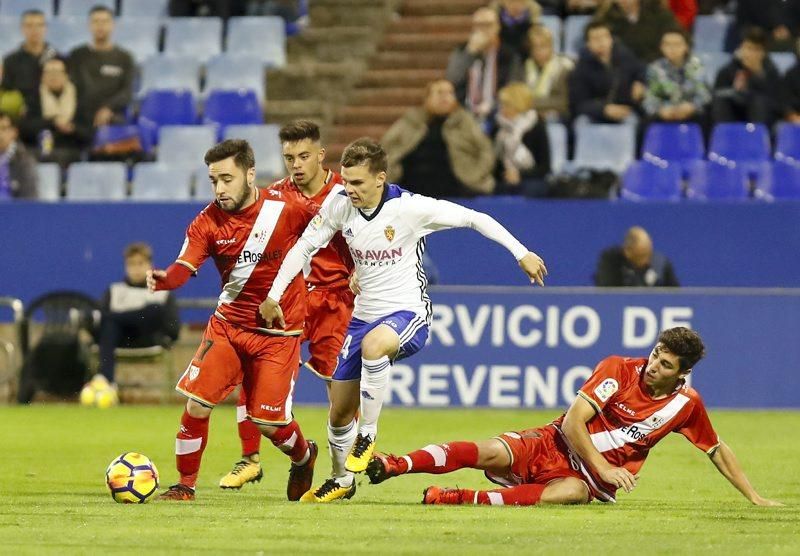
(328, 312)
(265, 365)
(539, 456)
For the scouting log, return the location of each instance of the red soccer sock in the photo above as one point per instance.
(289, 440)
(522, 495)
(249, 433)
(191, 441)
(443, 458)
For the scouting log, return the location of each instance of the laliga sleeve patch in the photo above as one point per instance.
(316, 222)
(606, 389)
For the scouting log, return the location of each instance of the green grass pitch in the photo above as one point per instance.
(53, 498)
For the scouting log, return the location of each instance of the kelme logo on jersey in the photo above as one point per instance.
(388, 231)
(606, 389)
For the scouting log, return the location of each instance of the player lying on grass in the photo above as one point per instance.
(596, 447)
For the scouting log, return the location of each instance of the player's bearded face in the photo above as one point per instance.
(233, 187)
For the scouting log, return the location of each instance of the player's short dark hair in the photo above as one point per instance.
(595, 24)
(299, 130)
(32, 11)
(100, 8)
(239, 149)
(685, 343)
(365, 151)
(139, 248)
(757, 36)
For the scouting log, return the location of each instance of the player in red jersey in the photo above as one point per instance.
(329, 300)
(596, 447)
(247, 233)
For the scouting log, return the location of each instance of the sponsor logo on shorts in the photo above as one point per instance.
(193, 371)
(606, 389)
(271, 407)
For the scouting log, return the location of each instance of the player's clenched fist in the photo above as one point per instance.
(271, 312)
(533, 265)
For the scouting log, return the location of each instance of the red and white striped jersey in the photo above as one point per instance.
(247, 248)
(629, 422)
(331, 266)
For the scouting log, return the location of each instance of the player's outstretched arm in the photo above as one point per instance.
(574, 427)
(727, 464)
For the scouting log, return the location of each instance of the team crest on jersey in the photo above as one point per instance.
(606, 389)
(388, 231)
(655, 421)
(274, 193)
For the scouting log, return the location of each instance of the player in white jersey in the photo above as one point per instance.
(385, 228)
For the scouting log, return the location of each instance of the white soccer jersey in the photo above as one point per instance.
(387, 247)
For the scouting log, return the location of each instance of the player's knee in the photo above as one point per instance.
(268, 430)
(574, 492)
(342, 415)
(197, 410)
(376, 344)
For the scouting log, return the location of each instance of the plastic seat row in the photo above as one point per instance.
(706, 180)
(260, 38)
(225, 71)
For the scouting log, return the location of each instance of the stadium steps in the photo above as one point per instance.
(389, 96)
(420, 42)
(399, 78)
(441, 7)
(432, 24)
(369, 115)
(409, 60)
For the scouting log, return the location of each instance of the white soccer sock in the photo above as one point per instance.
(374, 380)
(340, 441)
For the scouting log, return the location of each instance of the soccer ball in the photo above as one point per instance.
(132, 478)
(99, 393)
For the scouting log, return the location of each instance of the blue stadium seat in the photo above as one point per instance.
(10, 34)
(170, 72)
(232, 107)
(605, 146)
(15, 8)
(160, 108)
(232, 72)
(745, 143)
(66, 33)
(109, 134)
(154, 181)
(710, 32)
(783, 60)
(712, 180)
(96, 181)
(49, 181)
(644, 181)
(266, 146)
(713, 62)
(80, 8)
(258, 37)
(139, 35)
(557, 135)
(787, 143)
(185, 145)
(553, 22)
(143, 8)
(573, 34)
(782, 181)
(678, 143)
(200, 37)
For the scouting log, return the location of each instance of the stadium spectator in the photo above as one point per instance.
(438, 149)
(547, 74)
(103, 73)
(206, 8)
(380, 220)
(51, 118)
(639, 24)
(606, 85)
(779, 19)
(133, 316)
(482, 66)
(676, 84)
(635, 264)
(22, 69)
(791, 92)
(516, 18)
(747, 89)
(596, 447)
(18, 178)
(246, 231)
(521, 144)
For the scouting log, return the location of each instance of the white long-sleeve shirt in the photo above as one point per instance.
(387, 247)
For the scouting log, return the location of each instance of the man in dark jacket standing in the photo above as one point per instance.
(635, 264)
(607, 83)
(639, 24)
(18, 177)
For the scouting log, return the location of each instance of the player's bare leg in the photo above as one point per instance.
(378, 348)
(189, 446)
(342, 431)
